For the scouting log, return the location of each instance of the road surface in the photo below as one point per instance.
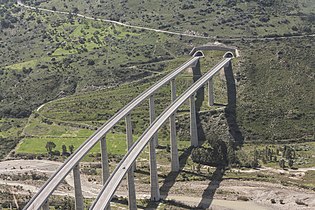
(75, 158)
(116, 177)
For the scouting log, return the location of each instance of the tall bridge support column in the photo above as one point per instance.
(129, 137)
(193, 122)
(152, 118)
(105, 166)
(132, 202)
(155, 191)
(173, 90)
(79, 204)
(210, 92)
(45, 206)
(174, 149)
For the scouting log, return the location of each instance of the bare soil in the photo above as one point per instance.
(228, 194)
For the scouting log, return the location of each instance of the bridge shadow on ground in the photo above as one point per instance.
(170, 180)
(216, 178)
(200, 97)
(208, 194)
(230, 110)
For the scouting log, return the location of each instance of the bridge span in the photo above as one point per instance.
(112, 181)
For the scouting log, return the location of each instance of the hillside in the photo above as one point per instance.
(275, 95)
(71, 54)
(67, 55)
(67, 66)
(207, 18)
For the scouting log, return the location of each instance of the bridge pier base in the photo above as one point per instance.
(132, 202)
(210, 92)
(154, 182)
(193, 122)
(105, 165)
(79, 204)
(45, 206)
(174, 149)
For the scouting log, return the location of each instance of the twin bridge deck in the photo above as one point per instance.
(112, 181)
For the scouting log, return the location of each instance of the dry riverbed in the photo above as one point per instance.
(228, 194)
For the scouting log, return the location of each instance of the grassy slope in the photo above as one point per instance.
(275, 90)
(59, 62)
(275, 78)
(209, 18)
(68, 58)
(276, 94)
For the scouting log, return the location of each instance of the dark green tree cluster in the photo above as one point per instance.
(288, 155)
(7, 14)
(51, 145)
(65, 203)
(218, 153)
(244, 159)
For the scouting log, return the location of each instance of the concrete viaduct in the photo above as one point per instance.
(112, 181)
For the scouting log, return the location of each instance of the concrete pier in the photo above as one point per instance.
(132, 202)
(152, 118)
(154, 182)
(79, 203)
(173, 90)
(210, 92)
(105, 166)
(193, 122)
(129, 136)
(174, 149)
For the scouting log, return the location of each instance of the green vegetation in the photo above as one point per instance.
(10, 134)
(276, 89)
(71, 54)
(83, 71)
(207, 18)
(270, 155)
(116, 144)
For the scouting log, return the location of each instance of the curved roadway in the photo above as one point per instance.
(48, 188)
(19, 2)
(116, 177)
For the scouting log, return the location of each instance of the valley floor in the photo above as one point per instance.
(216, 195)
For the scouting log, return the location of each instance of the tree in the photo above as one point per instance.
(64, 149)
(91, 62)
(71, 148)
(198, 168)
(75, 10)
(282, 163)
(290, 162)
(50, 146)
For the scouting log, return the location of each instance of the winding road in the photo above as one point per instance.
(20, 3)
